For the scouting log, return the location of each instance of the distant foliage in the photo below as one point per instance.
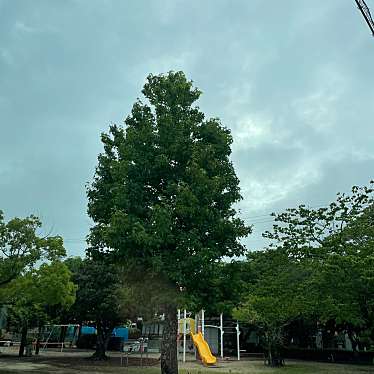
(320, 267)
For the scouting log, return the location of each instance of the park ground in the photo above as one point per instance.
(75, 361)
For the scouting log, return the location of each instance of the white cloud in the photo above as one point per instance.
(162, 64)
(249, 132)
(261, 192)
(362, 154)
(6, 56)
(165, 11)
(22, 27)
(318, 108)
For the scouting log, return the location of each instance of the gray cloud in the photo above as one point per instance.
(292, 80)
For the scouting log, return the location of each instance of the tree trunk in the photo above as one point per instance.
(79, 334)
(101, 343)
(169, 361)
(270, 354)
(274, 352)
(275, 357)
(37, 347)
(23, 341)
(62, 336)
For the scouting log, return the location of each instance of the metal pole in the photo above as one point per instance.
(202, 323)
(146, 354)
(222, 332)
(195, 332)
(141, 352)
(63, 336)
(50, 334)
(237, 339)
(178, 332)
(184, 334)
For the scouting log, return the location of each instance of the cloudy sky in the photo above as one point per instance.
(292, 79)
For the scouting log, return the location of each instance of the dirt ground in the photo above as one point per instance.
(75, 361)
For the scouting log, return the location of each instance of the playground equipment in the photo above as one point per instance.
(204, 351)
(196, 329)
(134, 346)
(62, 334)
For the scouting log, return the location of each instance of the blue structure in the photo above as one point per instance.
(88, 330)
(118, 332)
(121, 332)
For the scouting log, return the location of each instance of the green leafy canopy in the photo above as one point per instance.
(21, 247)
(164, 187)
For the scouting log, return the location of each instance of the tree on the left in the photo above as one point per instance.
(37, 298)
(32, 277)
(21, 247)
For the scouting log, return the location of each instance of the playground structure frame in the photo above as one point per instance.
(200, 326)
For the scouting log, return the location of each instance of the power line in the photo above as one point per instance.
(365, 11)
(269, 215)
(253, 220)
(72, 241)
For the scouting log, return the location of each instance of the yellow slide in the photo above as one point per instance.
(203, 349)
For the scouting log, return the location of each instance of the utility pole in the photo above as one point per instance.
(364, 9)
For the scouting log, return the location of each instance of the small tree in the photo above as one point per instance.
(21, 247)
(99, 300)
(276, 295)
(73, 315)
(163, 194)
(30, 296)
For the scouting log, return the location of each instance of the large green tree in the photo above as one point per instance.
(163, 194)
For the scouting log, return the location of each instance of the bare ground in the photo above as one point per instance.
(75, 361)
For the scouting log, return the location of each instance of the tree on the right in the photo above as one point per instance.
(319, 267)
